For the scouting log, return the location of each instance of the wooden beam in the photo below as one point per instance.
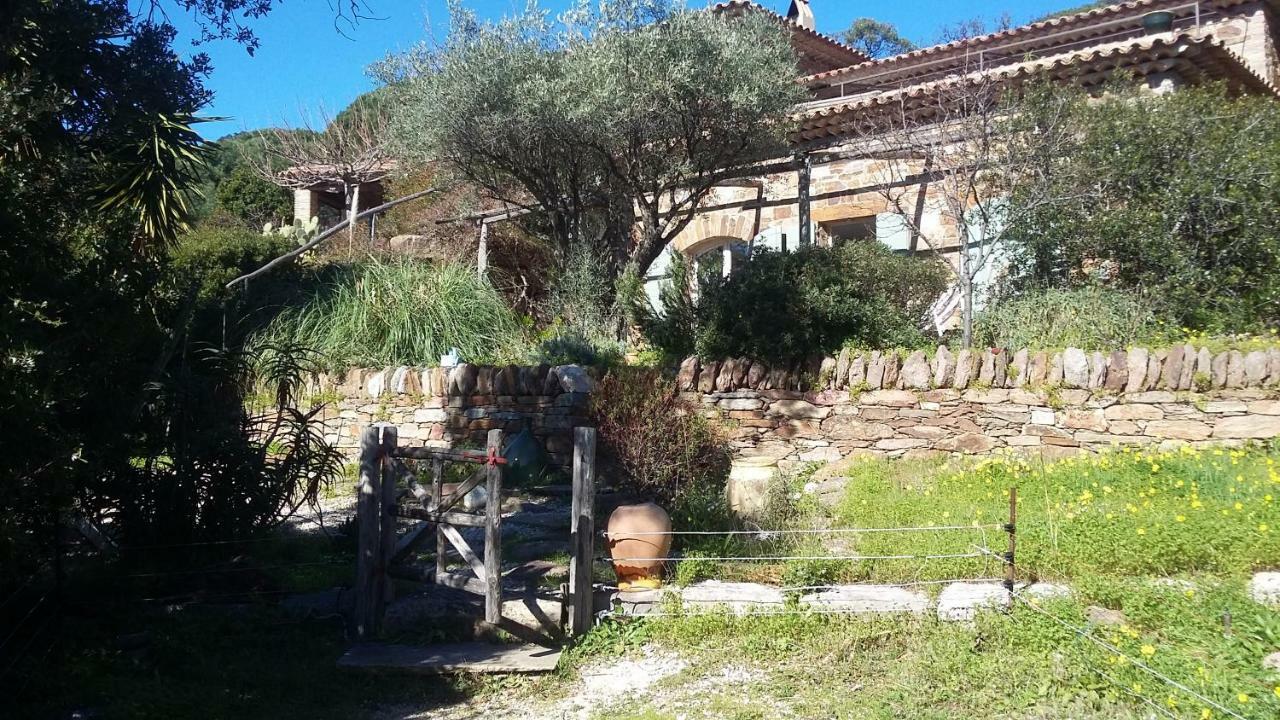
(582, 531)
(428, 453)
(450, 518)
(459, 543)
(386, 518)
(368, 508)
(493, 533)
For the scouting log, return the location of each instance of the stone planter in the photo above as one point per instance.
(634, 536)
(748, 488)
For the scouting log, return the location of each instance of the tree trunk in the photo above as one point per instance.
(353, 205)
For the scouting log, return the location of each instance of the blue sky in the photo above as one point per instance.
(304, 63)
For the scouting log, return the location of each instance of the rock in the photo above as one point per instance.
(892, 363)
(1046, 591)
(987, 370)
(869, 599)
(735, 596)
(799, 409)
(1097, 370)
(889, 398)
(891, 444)
(1218, 380)
(857, 372)
(1272, 662)
(707, 377)
(1172, 368)
(1235, 369)
(756, 375)
(687, 378)
(875, 370)
(841, 379)
(1225, 406)
(1273, 365)
(1098, 615)
(1075, 368)
(1187, 379)
(1054, 377)
(1155, 362)
(1117, 372)
(964, 370)
(968, 443)
(944, 367)
(1265, 588)
(724, 378)
(1255, 369)
(462, 380)
(960, 602)
(1038, 369)
(1257, 427)
(986, 397)
(916, 373)
(741, 369)
(1153, 397)
(827, 372)
(1042, 416)
(741, 404)
(1204, 366)
(1019, 368)
(574, 379)
(1179, 429)
(1085, 420)
(1001, 359)
(820, 454)
(848, 427)
(1264, 407)
(1133, 411)
(430, 415)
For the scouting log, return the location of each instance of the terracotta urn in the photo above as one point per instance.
(637, 533)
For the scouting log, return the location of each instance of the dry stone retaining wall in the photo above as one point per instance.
(971, 402)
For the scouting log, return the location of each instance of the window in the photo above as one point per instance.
(857, 228)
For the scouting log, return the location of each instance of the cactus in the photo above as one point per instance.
(300, 232)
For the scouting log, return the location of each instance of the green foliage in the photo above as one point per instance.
(660, 447)
(584, 322)
(1170, 195)
(210, 257)
(781, 307)
(400, 312)
(255, 201)
(1088, 317)
(877, 39)
(616, 105)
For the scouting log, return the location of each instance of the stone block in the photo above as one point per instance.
(1155, 365)
(891, 444)
(1219, 367)
(1097, 370)
(799, 409)
(845, 427)
(756, 375)
(1225, 406)
(857, 371)
(1054, 378)
(1254, 427)
(1172, 370)
(985, 397)
(875, 371)
(944, 367)
(1085, 420)
(1264, 407)
(869, 599)
(968, 443)
(1255, 369)
(1075, 368)
(1133, 411)
(1001, 359)
(892, 366)
(964, 372)
(889, 398)
(1264, 588)
(841, 377)
(707, 376)
(1041, 416)
(687, 378)
(1235, 369)
(1187, 378)
(987, 368)
(1136, 366)
(1117, 371)
(430, 415)
(1179, 429)
(916, 373)
(820, 454)
(960, 602)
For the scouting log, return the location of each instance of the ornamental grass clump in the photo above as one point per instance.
(403, 312)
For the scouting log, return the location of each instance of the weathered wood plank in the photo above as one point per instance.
(437, 487)
(368, 501)
(461, 582)
(459, 543)
(582, 530)
(452, 658)
(493, 532)
(427, 453)
(390, 436)
(451, 518)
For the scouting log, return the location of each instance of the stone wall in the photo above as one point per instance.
(456, 407)
(971, 402)
(976, 402)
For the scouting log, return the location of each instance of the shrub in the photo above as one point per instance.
(784, 306)
(660, 447)
(1090, 317)
(404, 312)
(210, 256)
(1171, 195)
(253, 200)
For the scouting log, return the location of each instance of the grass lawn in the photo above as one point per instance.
(1169, 539)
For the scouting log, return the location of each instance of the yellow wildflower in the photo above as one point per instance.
(1148, 650)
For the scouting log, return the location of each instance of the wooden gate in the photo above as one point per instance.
(380, 503)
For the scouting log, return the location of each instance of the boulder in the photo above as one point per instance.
(574, 379)
(1218, 379)
(1117, 371)
(1097, 370)
(963, 375)
(857, 371)
(1235, 369)
(1038, 369)
(892, 364)
(875, 370)
(1255, 369)
(916, 373)
(1075, 368)
(687, 378)
(944, 367)
(1265, 588)
(724, 378)
(1019, 368)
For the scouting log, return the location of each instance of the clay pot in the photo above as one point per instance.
(627, 538)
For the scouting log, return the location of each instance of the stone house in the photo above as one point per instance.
(832, 190)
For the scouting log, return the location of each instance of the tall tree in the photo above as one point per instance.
(877, 39)
(615, 115)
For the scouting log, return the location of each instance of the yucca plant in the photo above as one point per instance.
(401, 312)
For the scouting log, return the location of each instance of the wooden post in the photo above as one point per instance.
(582, 531)
(387, 518)
(437, 492)
(493, 534)
(1012, 529)
(368, 510)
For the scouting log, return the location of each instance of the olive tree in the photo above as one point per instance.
(612, 121)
